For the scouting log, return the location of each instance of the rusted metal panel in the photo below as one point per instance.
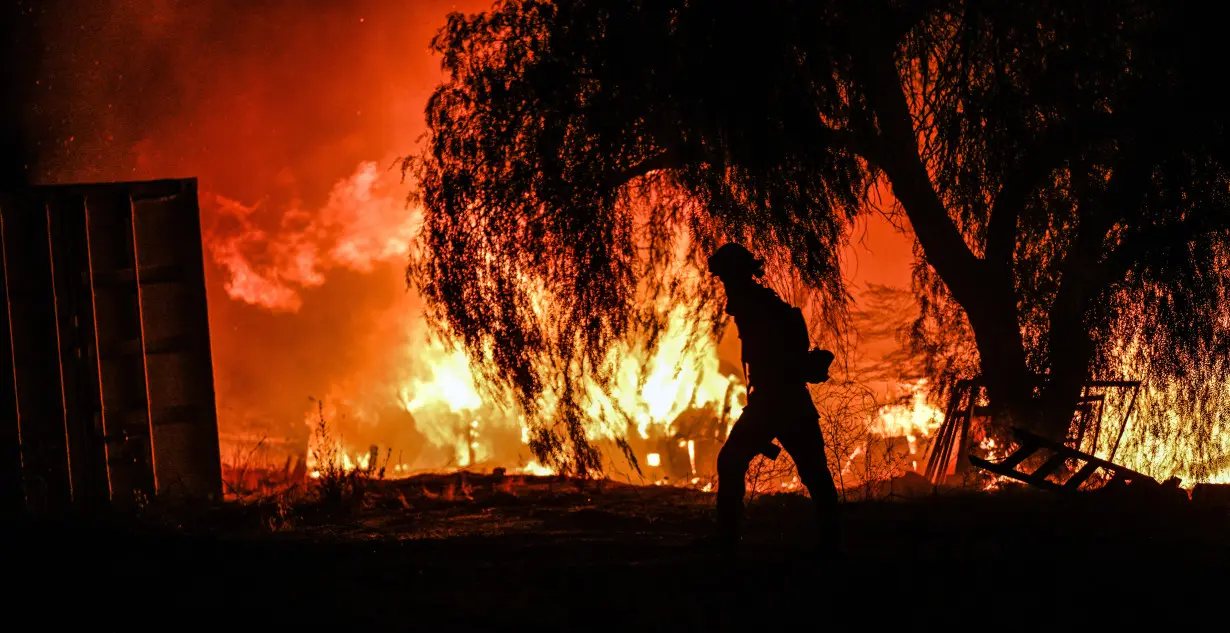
(109, 353)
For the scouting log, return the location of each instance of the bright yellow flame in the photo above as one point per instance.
(912, 420)
(1154, 454)
(653, 391)
(654, 460)
(1166, 454)
(649, 390)
(534, 468)
(449, 384)
(365, 223)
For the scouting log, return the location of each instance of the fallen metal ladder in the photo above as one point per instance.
(948, 452)
(1029, 444)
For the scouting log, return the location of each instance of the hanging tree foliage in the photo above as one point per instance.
(554, 121)
(1062, 229)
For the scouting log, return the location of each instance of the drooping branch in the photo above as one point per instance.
(1137, 246)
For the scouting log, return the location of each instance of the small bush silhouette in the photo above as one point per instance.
(334, 486)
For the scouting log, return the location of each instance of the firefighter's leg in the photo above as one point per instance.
(747, 438)
(805, 444)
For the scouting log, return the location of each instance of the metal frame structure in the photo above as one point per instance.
(1060, 456)
(952, 439)
(107, 352)
(1091, 401)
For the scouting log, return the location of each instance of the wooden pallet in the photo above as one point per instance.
(1029, 444)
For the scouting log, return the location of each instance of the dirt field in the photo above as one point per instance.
(543, 554)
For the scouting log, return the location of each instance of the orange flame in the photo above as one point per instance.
(366, 222)
(913, 419)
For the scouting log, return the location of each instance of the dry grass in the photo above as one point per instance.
(335, 485)
(283, 496)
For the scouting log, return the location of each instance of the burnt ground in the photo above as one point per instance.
(544, 554)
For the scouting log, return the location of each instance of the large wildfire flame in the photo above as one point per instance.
(366, 222)
(313, 300)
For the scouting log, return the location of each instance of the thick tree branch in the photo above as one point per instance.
(942, 242)
(1082, 278)
(674, 157)
(906, 15)
(1057, 144)
(1078, 278)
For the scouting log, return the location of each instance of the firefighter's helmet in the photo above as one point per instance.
(732, 260)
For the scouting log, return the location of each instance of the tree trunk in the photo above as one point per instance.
(1001, 353)
(1069, 352)
(985, 290)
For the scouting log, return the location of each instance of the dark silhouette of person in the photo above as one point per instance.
(779, 404)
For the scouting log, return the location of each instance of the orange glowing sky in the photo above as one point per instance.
(273, 103)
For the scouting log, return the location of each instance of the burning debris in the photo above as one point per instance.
(965, 439)
(1079, 467)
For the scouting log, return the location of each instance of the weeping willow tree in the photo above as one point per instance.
(556, 125)
(1064, 185)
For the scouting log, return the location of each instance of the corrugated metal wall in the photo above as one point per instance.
(109, 393)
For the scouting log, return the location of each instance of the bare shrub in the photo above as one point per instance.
(337, 486)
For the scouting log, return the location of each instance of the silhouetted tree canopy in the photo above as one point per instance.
(1061, 164)
(1083, 160)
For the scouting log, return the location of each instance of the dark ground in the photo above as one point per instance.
(543, 555)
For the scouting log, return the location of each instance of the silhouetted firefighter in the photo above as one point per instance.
(779, 363)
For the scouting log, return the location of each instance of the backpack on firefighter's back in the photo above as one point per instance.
(816, 363)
